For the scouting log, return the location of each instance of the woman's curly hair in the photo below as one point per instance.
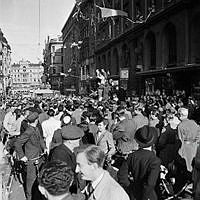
(56, 177)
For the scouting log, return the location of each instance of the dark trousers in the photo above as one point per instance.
(30, 179)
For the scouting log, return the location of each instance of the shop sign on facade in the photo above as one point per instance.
(124, 73)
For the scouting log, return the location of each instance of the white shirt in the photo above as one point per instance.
(99, 134)
(58, 116)
(15, 128)
(8, 121)
(97, 181)
(48, 127)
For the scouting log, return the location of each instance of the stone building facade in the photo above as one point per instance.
(26, 76)
(53, 61)
(160, 50)
(71, 54)
(155, 48)
(5, 64)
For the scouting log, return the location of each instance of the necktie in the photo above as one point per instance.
(89, 190)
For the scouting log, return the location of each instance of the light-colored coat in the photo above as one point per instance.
(106, 143)
(108, 189)
(189, 134)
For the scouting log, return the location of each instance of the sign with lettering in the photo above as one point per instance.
(124, 73)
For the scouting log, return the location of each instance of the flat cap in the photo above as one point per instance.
(71, 132)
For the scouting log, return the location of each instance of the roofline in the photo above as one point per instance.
(69, 17)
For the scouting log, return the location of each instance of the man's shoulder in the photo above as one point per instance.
(29, 130)
(130, 123)
(108, 133)
(113, 188)
(109, 182)
(51, 121)
(74, 197)
(187, 122)
(62, 150)
(144, 155)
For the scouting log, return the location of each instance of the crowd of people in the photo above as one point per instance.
(82, 136)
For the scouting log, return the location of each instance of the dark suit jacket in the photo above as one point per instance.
(144, 167)
(124, 133)
(24, 125)
(32, 142)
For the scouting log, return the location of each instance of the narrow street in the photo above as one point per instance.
(99, 99)
(15, 192)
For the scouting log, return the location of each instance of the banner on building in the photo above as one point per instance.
(107, 12)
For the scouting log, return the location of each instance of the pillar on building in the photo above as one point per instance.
(132, 70)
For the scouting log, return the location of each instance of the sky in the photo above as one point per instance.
(19, 21)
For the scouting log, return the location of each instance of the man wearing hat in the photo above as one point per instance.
(33, 145)
(139, 119)
(143, 165)
(66, 120)
(71, 135)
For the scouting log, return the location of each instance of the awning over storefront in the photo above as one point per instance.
(169, 70)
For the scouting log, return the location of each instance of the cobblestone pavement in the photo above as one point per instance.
(4, 173)
(17, 192)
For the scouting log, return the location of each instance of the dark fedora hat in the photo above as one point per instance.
(146, 136)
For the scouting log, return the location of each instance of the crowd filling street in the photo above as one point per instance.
(104, 146)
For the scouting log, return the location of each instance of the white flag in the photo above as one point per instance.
(107, 12)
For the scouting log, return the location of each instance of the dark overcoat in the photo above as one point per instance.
(144, 167)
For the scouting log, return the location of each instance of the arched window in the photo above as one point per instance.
(125, 56)
(99, 62)
(195, 39)
(115, 66)
(150, 51)
(170, 45)
(104, 66)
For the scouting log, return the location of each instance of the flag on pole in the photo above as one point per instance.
(107, 12)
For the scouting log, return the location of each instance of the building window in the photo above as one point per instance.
(24, 68)
(170, 38)
(54, 70)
